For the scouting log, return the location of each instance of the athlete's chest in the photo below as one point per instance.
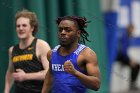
(20, 55)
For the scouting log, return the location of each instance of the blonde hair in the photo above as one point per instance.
(31, 16)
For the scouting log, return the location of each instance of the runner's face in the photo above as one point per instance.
(68, 32)
(23, 28)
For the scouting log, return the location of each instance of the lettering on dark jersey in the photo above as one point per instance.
(20, 58)
(30, 48)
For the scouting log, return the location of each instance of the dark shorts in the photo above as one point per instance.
(21, 90)
(123, 58)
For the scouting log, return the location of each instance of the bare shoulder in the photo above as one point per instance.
(42, 48)
(88, 51)
(42, 43)
(11, 49)
(10, 67)
(89, 54)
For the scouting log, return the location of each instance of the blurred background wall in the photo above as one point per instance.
(109, 18)
(118, 15)
(47, 12)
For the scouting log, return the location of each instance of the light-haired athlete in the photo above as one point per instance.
(28, 62)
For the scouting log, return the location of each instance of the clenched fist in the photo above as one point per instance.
(68, 67)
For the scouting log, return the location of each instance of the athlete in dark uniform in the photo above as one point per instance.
(28, 62)
(73, 66)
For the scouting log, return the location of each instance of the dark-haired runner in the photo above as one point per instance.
(73, 66)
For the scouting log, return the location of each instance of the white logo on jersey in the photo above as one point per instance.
(57, 67)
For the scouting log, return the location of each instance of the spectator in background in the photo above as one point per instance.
(124, 59)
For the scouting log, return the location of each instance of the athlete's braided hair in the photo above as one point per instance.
(81, 22)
